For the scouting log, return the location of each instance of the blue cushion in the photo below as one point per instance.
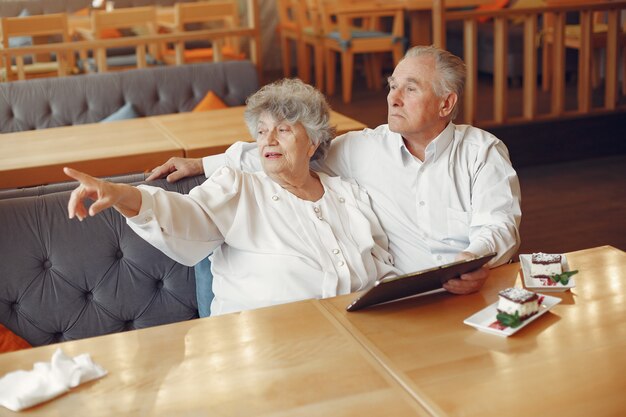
(204, 287)
(127, 111)
(18, 41)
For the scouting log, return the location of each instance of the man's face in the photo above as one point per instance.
(414, 110)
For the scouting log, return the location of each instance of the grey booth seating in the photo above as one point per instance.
(63, 279)
(64, 101)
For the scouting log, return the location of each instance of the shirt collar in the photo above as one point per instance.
(434, 149)
(438, 145)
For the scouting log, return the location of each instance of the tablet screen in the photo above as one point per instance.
(394, 288)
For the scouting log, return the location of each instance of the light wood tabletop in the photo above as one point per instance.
(570, 361)
(208, 133)
(289, 360)
(37, 157)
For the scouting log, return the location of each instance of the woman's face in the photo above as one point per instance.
(284, 149)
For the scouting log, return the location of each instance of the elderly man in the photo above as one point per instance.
(442, 191)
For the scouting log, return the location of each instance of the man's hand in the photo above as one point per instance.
(176, 168)
(469, 282)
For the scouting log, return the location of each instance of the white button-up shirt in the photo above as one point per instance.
(269, 246)
(464, 196)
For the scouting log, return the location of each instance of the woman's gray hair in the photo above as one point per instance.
(293, 101)
(449, 68)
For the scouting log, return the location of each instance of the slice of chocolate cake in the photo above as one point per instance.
(543, 265)
(518, 300)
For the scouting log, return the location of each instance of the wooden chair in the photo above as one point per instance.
(215, 14)
(51, 28)
(354, 27)
(300, 24)
(137, 21)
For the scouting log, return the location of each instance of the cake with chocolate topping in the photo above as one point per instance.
(518, 302)
(544, 265)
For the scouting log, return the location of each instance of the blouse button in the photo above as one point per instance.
(340, 263)
(275, 197)
(336, 251)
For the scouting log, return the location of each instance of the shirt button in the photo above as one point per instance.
(316, 209)
(422, 203)
(320, 217)
(342, 200)
(148, 219)
(340, 263)
(336, 251)
(275, 197)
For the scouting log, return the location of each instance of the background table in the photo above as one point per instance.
(37, 157)
(201, 134)
(568, 362)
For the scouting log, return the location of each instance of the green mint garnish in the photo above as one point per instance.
(509, 320)
(563, 277)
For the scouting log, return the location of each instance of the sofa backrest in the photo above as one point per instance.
(51, 102)
(63, 279)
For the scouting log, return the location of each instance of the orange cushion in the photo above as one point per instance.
(9, 341)
(210, 102)
(110, 34)
(496, 5)
(82, 12)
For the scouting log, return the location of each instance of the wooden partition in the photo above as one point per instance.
(543, 28)
(249, 30)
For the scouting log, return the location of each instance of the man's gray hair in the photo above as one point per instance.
(295, 102)
(449, 68)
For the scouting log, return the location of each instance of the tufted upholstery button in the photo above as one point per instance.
(119, 254)
(159, 284)
(15, 307)
(57, 336)
(89, 296)
(47, 264)
(129, 325)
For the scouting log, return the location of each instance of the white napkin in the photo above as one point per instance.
(23, 389)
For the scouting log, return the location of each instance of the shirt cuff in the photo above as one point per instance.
(146, 214)
(478, 248)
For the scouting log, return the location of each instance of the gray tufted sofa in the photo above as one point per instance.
(62, 279)
(64, 101)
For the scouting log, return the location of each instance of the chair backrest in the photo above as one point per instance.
(289, 14)
(139, 20)
(49, 28)
(221, 13)
(345, 15)
(127, 18)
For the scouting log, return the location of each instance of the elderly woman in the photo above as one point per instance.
(280, 235)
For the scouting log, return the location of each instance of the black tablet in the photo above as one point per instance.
(394, 288)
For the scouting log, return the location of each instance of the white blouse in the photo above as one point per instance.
(269, 246)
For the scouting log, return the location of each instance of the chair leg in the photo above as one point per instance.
(319, 67)
(286, 55)
(330, 71)
(377, 71)
(546, 67)
(368, 63)
(304, 62)
(347, 73)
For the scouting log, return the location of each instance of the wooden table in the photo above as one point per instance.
(37, 157)
(412, 357)
(208, 133)
(290, 360)
(568, 362)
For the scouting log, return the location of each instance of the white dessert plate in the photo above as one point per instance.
(544, 284)
(485, 319)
